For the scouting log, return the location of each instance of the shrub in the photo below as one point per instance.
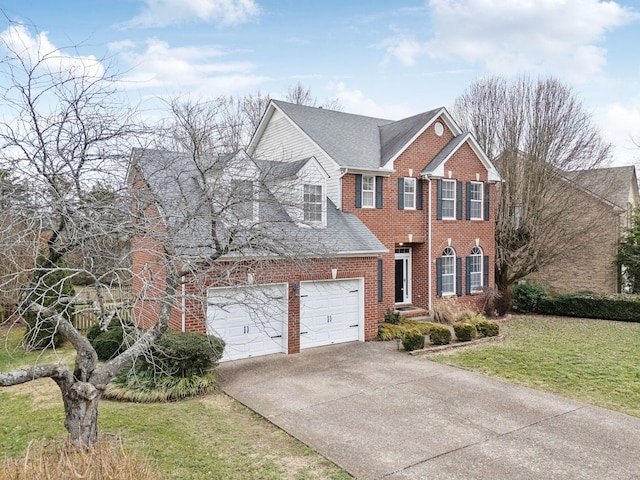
(487, 328)
(473, 318)
(465, 331)
(1, 314)
(413, 341)
(110, 344)
(440, 335)
(388, 331)
(441, 313)
(526, 297)
(614, 307)
(392, 317)
(53, 285)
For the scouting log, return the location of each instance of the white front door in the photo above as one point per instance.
(403, 275)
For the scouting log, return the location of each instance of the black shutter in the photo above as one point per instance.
(401, 194)
(459, 276)
(439, 202)
(487, 198)
(358, 191)
(439, 277)
(468, 200)
(485, 272)
(459, 200)
(379, 280)
(467, 275)
(379, 185)
(419, 194)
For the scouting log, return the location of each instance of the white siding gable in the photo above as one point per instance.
(282, 141)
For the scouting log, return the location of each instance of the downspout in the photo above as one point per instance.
(430, 275)
(184, 304)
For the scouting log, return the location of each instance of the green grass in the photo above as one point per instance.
(210, 437)
(593, 361)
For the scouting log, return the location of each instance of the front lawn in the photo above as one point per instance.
(593, 361)
(211, 437)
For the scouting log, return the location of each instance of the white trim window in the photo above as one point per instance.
(409, 193)
(448, 271)
(475, 270)
(449, 199)
(368, 191)
(476, 200)
(312, 203)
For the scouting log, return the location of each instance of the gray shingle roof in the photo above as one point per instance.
(395, 135)
(443, 154)
(612, 183)
(173, 179)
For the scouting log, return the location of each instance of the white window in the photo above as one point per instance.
(448, 271)
(368, 191)
(449, 199)
(409, 193)
(475, 200)
(312, 203)
(475, 269)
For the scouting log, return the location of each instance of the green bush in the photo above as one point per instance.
(1, 314)
(110, 344)
(181, 354)
(607, 307)
(53, 285)
(413, 341)
(527, 296)
(440, 335)
(392, 317)
(487, 328)
(465, 331)
(388, 331)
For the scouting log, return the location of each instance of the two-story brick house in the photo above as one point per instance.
(421, 185)
(402, 208)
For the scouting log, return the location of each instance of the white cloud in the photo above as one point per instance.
(620, 124)
(355, 101)
(38, 50)
(510, 36)
(200, 69)
(162, 13)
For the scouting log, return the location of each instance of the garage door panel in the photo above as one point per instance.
(251, 320)
(329, 312)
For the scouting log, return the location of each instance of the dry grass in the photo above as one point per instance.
(108, 460)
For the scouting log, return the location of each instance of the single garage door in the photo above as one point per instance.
(330, 312)
(251, 320)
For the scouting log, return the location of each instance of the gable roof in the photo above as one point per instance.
(435, 168)
(173, 180)
(358, 142)
(612, 184)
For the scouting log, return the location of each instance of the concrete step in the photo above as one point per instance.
(412, 312)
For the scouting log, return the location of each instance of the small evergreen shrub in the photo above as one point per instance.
(413, 341)
(388, 331)
(465, 331)
(440, 335)
(53, 285)
(473, 318)
(392, 317)
(487, 328)
(527, 296)
(110, 344)
(607, 307)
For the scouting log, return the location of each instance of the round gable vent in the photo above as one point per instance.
(439, 129)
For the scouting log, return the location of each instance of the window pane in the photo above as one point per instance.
(476, 201)
(313, 203)
(409, 193)
(368, 191)
(448, 271)
(475, 269)
(448, 199)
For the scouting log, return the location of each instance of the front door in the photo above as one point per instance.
(403, 275)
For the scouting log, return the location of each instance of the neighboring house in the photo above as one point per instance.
(610, 195)
(402, 212)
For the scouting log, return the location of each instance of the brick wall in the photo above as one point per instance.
(393, 227)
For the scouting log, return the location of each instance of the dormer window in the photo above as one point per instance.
(312, 203)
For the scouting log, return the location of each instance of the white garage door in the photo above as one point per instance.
(330, 312)
(251, 320)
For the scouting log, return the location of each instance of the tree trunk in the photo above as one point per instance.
(81, 414)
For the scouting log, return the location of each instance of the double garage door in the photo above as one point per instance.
(253, 320)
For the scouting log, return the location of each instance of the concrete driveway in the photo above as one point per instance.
(379, 413)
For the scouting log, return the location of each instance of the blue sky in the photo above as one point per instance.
(388, 59)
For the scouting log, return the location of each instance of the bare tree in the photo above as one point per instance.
(193, 217)
(301, 95)
(536, 132)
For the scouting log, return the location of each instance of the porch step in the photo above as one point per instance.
(412, 312)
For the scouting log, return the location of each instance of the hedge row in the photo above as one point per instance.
(531, 298)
